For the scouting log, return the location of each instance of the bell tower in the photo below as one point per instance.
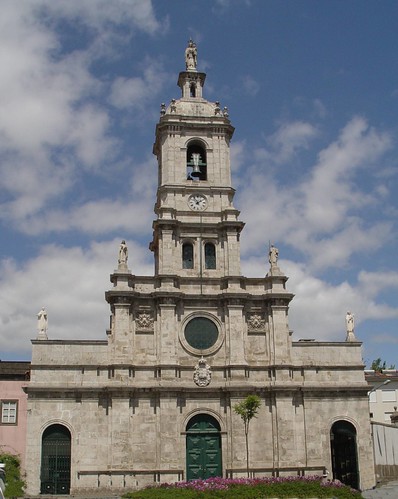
(196, 233)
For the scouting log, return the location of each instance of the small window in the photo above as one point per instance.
(187, 256)
(192, 89)
(9, 411)
(389, 396)
(210, 256)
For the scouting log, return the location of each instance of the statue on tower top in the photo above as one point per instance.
(191, 53)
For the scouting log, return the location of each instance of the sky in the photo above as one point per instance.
(312, 91)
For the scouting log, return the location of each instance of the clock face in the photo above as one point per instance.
(197, 202)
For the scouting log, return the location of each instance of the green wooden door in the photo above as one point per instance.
(203, 448)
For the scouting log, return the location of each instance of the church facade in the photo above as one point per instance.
(154, 400)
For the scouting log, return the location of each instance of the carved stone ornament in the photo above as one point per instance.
(255, 323)
(202, 374)
(144, 322)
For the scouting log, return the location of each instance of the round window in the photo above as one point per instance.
(201, 333)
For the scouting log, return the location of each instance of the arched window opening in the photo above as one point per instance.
(192, 90)
(210, 256)
(196, 162)
(187, 256)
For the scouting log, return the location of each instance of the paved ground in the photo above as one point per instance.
(387, 490)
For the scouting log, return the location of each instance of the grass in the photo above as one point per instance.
(255, 488)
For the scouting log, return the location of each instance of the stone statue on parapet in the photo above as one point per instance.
(273, 256)
(350, 324)
(191, 53)
(123, 254)
(42, 324)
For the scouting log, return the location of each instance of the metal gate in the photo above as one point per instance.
(203, 447)
(343, 443)
(55, 460)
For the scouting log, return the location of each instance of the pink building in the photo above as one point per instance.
(14, 376)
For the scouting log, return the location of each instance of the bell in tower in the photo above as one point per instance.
(196, 162)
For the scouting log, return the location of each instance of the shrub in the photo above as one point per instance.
(14, 482)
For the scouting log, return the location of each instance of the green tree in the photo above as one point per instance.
(247, 410)
(378, 365)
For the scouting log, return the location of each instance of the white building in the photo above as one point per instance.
(383, 393)
(153, 400)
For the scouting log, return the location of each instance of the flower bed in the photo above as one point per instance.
(249, 488)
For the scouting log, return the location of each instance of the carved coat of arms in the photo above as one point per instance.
(202, 374)
(256, 323)
(144, 322)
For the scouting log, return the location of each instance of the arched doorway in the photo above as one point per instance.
(343, 441)
(203, 446)
(55, 460)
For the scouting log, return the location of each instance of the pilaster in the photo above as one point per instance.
(121, 339)
(236, 328)
(168, 334)
(280, 335)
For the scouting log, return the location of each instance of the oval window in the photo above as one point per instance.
(201, 333)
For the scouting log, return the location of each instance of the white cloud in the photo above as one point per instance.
(52, 128)
(70, 283)
(237, 157)
(95, 217)
(323, 214)
(320, 108)
(129, 213)
(137, 91)
(330, 191)
(337, 249)
(288, 140)
(318, 308)
(250, 85)
(374, 282)
(105, 15)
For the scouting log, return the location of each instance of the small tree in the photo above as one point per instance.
(378, 365)
(14, 481)
(247, 410)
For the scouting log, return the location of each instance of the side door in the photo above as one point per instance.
(56, 460)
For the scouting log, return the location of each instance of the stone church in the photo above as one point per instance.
(154, 400)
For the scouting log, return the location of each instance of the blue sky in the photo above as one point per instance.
(312, 90)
